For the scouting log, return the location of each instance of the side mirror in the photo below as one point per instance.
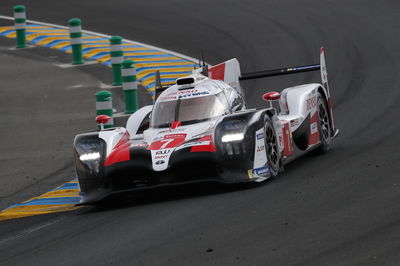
(175, 124)
(101, 120)
(271, 96)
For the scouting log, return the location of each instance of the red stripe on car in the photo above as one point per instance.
(120, 152)
(205, 148)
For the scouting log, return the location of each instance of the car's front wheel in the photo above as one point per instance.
(271, 148)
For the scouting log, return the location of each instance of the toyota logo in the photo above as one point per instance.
(160, 162)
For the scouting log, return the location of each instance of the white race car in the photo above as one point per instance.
(200, 130)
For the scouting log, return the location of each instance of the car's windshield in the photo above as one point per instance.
(188, 111)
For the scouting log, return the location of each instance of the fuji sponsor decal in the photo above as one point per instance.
(260, 136)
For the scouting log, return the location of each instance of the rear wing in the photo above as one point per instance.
(293, 70)
(279, 71)
(229, 72)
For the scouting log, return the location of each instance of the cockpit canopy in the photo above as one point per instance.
(189, 110)
(193, 103)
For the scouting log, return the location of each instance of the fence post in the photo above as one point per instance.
(75, 34)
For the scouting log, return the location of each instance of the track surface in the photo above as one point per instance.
(339, 208)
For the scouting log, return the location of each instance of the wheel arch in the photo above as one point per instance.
(324, 95)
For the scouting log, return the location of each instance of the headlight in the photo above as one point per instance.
(233, 130)
(232, 137)
(92, 156)
(90, 152)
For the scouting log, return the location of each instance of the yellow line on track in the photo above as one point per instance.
(144, 53)
(61, 45)
(47, 31)
(60, 193)
(24, 211)
(156, 59)
(95, 51)
(11, 35)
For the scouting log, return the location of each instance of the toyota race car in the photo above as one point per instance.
(200, 130)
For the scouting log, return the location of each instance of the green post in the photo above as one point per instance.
(104, 106)
(75, 34)
(129, 85)
(20, 24)
(117, 56)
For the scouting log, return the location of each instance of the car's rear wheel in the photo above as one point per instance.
(324, 125)
(271, 148)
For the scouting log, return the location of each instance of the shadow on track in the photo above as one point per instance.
(187, 191)
(166, 194)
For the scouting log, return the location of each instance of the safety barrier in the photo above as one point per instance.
(20, 25)
(117, 56)
(75, 32)
(129, 85)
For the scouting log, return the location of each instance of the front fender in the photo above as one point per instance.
(89, 155)
(238, 155)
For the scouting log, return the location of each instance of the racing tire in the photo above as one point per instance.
(324, 126)
(271, 148)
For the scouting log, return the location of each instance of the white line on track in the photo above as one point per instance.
(30, 230)
(109, 36)
(84, 64)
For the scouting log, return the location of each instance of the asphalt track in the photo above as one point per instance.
(337, 209)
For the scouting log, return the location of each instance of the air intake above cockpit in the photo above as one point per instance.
(185, 81)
